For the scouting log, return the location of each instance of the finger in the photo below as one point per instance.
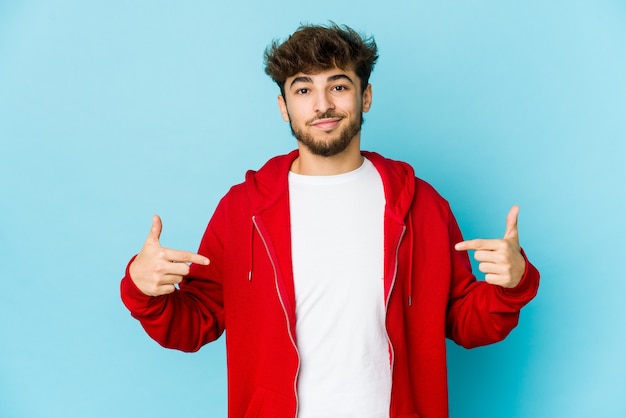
(500, 280)
(496, 279)
(171, 279)
(165, 289)
(155, 230)
(511, 223)
(174, 269)
(479, 244)
(491, 268)
(467, 245)
(185, 257)
(489, 256)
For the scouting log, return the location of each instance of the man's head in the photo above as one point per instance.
(323, 75)
(314, 48)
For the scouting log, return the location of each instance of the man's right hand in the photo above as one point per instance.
(156, 270)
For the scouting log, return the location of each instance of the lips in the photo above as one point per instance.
(326, 124)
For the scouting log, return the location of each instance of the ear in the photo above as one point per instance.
(367, 98)
(282, 106)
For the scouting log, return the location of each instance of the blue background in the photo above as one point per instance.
(112, 111)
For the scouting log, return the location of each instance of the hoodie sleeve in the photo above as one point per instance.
(192, 315)
(480, 313)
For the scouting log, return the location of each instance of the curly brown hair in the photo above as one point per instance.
(315, 48)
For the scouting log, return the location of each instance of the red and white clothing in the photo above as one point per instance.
(248, 290)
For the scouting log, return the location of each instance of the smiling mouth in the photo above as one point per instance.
(326, 124)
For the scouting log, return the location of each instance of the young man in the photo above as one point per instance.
(336, 273)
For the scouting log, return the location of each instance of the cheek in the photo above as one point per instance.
(294, 116)
(352, 105)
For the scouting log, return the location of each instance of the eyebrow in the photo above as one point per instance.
(306, 79)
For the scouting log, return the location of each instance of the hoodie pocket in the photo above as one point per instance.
(269, 404)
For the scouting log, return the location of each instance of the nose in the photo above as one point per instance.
(323, 101)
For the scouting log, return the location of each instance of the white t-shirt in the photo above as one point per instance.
(337, 238)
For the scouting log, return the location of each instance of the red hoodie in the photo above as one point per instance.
(248, 289)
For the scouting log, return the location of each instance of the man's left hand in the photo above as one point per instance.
(500, 259)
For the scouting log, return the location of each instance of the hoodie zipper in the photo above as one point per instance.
(282, 304)
(393, 282)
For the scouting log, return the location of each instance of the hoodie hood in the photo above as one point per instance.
(399, 183)
(270, 182)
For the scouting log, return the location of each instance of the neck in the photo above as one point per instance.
(309, 164)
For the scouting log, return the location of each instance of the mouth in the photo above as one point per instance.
(326, 123)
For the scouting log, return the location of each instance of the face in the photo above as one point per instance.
(325, 109)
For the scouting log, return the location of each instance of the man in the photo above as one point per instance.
(336, 273)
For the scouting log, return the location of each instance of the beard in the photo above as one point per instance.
(331, 146)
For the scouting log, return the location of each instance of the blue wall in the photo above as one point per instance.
(112, 111)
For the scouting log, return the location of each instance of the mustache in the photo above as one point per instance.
(329, 114)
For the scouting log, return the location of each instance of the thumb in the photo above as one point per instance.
(511, 223)
(155, 231)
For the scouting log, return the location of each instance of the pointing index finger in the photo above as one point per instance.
(479, 244)
(473, 244)
(187, 257)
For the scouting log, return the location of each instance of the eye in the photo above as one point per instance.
(340, 87)
(302, 91)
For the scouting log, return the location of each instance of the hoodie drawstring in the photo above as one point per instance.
(410, 273)
(251, 257)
